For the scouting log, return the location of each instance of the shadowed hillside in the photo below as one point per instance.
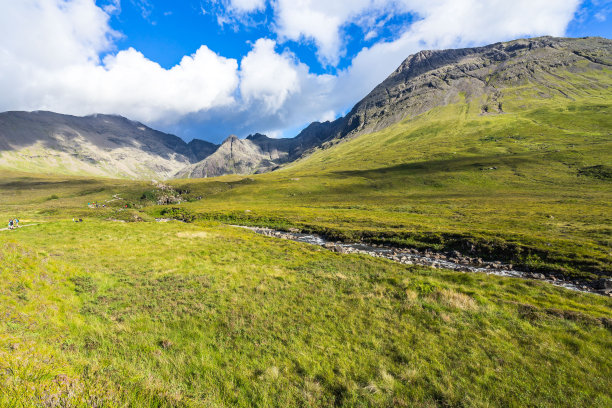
(100, 145)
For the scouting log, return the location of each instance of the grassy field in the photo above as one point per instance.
(175, 314)
(120, 310)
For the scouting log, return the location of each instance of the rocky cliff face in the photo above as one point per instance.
(103, 145)
(255, 154)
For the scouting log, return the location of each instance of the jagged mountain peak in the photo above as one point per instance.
(229, 139)
(257, 136)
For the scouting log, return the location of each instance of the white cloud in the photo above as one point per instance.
(268, 77)
(139, 88)
(146, 8)
(112, 7)
(320, 21)
(54, 33)
(441, 21)
(236, 13)
(247, 6)
(49, 60)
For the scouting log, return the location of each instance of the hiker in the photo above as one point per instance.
(16, 223)
(10, 224)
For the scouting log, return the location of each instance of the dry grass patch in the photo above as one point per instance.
(194, 234)
(455, 300)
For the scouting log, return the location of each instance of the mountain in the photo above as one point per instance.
(102, 145)
(515, 166)
(255, 154)
(114, 146)
(425, 80)
(430, 79)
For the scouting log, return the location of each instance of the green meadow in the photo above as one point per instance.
(120, 310)
(172, 314)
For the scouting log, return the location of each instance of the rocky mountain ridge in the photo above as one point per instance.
(434, 78)
(114, 146)
(102, 145)
(255, 154)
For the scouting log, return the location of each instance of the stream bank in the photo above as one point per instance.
(454, 260)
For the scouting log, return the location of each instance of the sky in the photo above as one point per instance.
(210, 68)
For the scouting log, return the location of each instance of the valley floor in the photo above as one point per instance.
(175, 314)
(113, 313)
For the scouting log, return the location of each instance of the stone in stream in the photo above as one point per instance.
(604, 285)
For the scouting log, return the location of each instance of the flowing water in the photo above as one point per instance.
(455, 261)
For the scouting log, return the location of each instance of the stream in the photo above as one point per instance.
(454, 261)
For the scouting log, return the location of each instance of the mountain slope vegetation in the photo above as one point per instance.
(529, 184)
(185, 315)
(107, 145)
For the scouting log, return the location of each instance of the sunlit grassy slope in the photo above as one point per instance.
(531, 185)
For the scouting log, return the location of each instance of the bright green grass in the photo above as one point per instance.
(175, 314)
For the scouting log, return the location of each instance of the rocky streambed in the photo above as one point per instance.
(453, 261)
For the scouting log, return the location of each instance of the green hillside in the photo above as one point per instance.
(106, 314)
(530, 185)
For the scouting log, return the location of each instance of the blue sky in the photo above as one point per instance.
(209, 68)
(164, 31)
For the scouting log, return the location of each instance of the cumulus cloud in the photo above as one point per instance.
(320, 21)
(54, 33)
(50, 59)
(268, 77)
(140, 88)
(440, 22)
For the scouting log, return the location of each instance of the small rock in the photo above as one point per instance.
(603, 284)
(165, 344)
